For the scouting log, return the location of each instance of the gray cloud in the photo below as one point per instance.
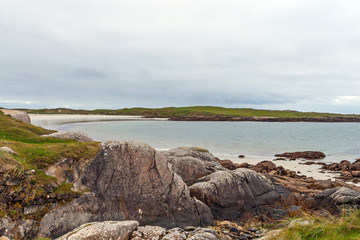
(297, 54)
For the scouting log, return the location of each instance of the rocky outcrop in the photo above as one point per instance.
(74, 135)
(305, 155)
(192, 163)
(19, 115)
(348, 171)
(119, 230)
(67, 169)
(60, 170)
(129, 181)
(231, 194)
(261, 167)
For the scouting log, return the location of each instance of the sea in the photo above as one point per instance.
(226, 140)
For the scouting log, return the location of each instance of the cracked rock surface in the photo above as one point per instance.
(231, 193)
(192, 164)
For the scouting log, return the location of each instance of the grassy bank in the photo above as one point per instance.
(34, 152)
(347, 227)
(193, 111)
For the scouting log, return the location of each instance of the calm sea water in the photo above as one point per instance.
(255, 140)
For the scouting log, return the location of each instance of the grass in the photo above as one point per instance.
(36, 152)
(10, 165)
(15, 130)
(347, 227)
(194, 111)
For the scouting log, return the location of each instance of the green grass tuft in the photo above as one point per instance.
(10, 165)
(347, 227)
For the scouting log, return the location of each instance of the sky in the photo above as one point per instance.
(88, 54)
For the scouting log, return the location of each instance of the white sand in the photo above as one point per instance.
(52, 121)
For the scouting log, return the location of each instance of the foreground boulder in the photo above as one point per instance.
(192, 163)
(19, 115)
(129, 181)
(74, 135)
(233, 194)
(119, 230)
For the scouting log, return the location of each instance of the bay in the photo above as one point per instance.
(255, 140)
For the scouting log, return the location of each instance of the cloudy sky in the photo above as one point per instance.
(279, 54)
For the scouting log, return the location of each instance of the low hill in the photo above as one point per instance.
(210, 113)
(190, 111)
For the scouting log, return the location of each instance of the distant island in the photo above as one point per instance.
(211, 113)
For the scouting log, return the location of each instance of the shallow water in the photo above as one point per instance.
(255, 140)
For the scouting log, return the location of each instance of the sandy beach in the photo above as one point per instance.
(52, 121)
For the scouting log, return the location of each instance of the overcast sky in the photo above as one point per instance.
(279, 54)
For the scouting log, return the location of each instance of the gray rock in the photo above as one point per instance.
(69, 217)
(149, 232)
(192, 163)
(117, 230)
(230, 193)
(345, 196)
(129, 181)
(74, 135)
(31, 210)
(333, 199)
(203, 234)
(19, 115)
(60, 169)
(7, 150)
(277, 214)
(5, 223)
(175, 234)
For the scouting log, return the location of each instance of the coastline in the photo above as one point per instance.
(55, 121)
(262, 119)
(52, 120)
(211, 113)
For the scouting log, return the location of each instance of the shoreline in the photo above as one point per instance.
(216, 118)
(62, 119)
(262, 119)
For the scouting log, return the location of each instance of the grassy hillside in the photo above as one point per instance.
(193, 111)
(34, 152)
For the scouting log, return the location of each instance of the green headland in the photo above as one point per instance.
(195, 111)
